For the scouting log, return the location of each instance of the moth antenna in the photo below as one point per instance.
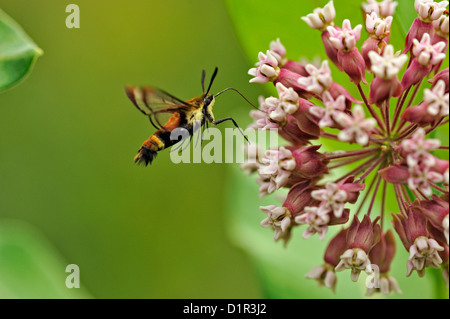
(212, 79)
(203, 80)
(233, 89)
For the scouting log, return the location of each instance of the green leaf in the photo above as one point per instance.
(17, 52)
(30, 267)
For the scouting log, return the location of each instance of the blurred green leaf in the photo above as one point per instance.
(257, 22)
(404, 17)
(30, 267)
(17, 52)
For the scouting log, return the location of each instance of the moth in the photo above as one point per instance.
(167, 113)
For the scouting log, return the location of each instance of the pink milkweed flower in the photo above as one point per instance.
(442, 75)
(382, 255)
(287, 103)
(325, 274)
(384, 8)
(321, 18)
(417, 149)
(290, 79)
(330, 49)
(289, 165)
(297, 130)
(385, 68)
(334, 196)
(261, 117)
(432, 108)
(378, 27)
(267, 68)
(281, 219)
(423, 250)
(292, 131)
(379, 31)
(416, 177)
(441, 31)
(346, 38)
(330, 111)
(437, 100)
(319, 80)
(309, 162)
(349, 58)
(317, 218)
(355, 127)
(426, 55)
(278, 51)
(361, 237)
(426, 52)
(420, 178)
(428, 11)
(278, 165)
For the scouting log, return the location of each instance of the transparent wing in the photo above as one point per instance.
(158, 105)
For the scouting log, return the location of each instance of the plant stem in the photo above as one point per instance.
(370, 108)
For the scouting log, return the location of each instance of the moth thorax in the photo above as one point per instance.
(209, 110)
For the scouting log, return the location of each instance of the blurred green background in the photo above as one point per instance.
(68, 136)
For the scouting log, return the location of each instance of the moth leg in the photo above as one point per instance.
(235, 124)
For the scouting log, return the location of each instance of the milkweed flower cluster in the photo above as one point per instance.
(387, 139)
